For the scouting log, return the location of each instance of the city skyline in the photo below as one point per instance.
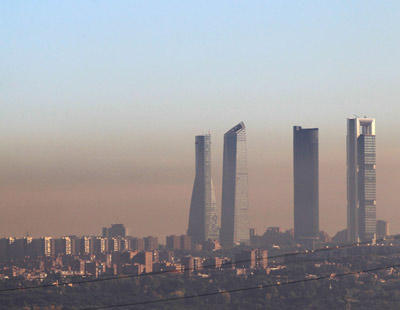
(101, 100)
(287, 199)
(203, 155)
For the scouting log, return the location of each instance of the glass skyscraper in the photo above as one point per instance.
(361, 179)
(306, 191)
(203, 220)
(234, 220)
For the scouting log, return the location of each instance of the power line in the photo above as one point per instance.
(223, 265)
(264, 286)
(119, 277)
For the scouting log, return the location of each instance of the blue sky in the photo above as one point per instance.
(100, 85)
(122, 61)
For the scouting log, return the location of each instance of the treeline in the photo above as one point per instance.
(368, 291)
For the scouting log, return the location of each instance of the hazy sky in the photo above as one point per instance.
(100, 102)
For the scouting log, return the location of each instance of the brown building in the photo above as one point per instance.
(114, 244)
(145, 258)
(173, 242)
(100, 245)
(116, 230)
(136, 244)
(212, 245)
(186, 242)
(44, 246)
(87, 245)
(63, 246)
(382, 229)
(197, 263)
(213, 263)
(246, 259)
(188, 264)
(132, 269)
(91, 268)
(124, 244)
(261, 258)
(20, 248)
(166, 255)
(75, 245)
(150, 243)
(4, 249)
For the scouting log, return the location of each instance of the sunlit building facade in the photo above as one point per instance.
(361, 179)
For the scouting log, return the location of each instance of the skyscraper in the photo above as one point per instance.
(116, 230)
(382, 229)
(203, 220)
(361, 179)
(234, 221)
(306, 195)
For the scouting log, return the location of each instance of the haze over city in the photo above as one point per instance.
(100, 104)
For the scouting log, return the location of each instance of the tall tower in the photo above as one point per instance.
(234, 220)
(361, 179)
(203, 221)
(306, 195)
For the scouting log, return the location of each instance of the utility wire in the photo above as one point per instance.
(223, 265)
(264, 286)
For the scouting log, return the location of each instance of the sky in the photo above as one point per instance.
(100, 102)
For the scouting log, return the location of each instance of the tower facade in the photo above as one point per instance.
(361, 179)
(203, 220)
(306, 189)
(234, 220)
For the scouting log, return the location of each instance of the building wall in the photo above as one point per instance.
(173, 242)
(306, 178)
(361, 179)
(234, 221)
(203, 220)
(382, 229)
(367, 186)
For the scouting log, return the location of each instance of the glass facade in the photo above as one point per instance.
(306, 177)
(367, 186)
(234, 221)
(203, 220)
(361, 179)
